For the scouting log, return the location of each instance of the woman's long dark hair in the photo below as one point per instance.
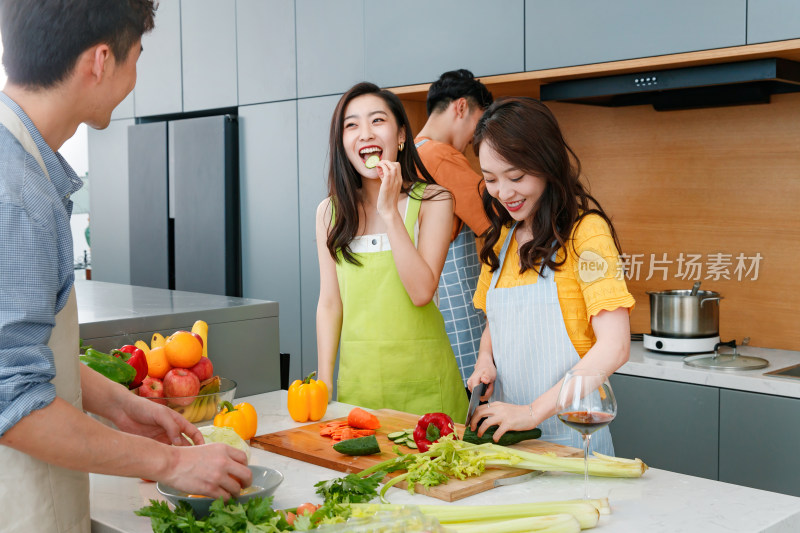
(344, 182)
(525, 134)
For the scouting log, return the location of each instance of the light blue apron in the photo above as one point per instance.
(462, 321)
(532, 350)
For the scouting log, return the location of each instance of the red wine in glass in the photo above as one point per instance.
(585, 422)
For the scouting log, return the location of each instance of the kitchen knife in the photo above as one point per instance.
(475, 400)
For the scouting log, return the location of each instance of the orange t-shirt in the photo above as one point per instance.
(451, 170)
(582, 293)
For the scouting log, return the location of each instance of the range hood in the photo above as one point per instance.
(723, 84)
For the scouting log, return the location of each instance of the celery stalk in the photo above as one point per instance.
(586, 512)
(557, 523)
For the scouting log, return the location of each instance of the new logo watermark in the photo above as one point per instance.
(591, 266)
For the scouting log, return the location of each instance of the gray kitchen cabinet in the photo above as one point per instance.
(313, 118)
(109, 222)
(159, 85)
(147, 193)
(772, 20)
(561, 33)
(265, 51)
(269, 215)
(447, 35)
(758, 440)
(669, 425)
(208, 48)
(330, 46)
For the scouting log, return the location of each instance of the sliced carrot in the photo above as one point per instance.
(359, 418)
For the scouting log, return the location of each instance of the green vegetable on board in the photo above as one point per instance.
(358, 446)
(508, 438)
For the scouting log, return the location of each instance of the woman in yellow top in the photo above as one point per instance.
(550, 284)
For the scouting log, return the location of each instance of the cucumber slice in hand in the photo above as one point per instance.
(372, 161)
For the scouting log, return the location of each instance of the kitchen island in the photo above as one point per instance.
(658, 501)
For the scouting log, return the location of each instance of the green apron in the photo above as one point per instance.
(393, 354)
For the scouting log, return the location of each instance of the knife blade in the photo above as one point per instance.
(475, 400)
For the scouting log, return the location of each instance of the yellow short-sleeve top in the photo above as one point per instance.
(588, 282)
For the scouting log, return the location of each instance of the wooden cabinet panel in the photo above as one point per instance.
(208, 46)
(560, 33)
(330, 46)
(772, 20)
(668, 425)
(269, 200)
(265, 51)
(423, 39)
(758, 437)
(159, 86)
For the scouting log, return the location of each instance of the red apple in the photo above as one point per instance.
(203, 369)
(180, 383)
(152, 388)
(199, 338)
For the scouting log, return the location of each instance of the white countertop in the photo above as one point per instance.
(644, 363)
(658, 501)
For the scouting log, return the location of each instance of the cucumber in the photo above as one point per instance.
(508, 438)
(411, 444)
(358, 446)
(372, 161)
(397, 435)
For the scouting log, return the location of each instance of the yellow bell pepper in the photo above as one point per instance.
(242, 418)
(308, 399)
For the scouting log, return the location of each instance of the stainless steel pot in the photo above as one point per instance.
(680, 314)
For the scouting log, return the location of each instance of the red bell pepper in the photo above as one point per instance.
(136, 358)
(430, 428)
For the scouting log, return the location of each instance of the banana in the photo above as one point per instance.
(142, 346)
(211, 410)
(201, 328)
(201, 409)
(186, 411)
(158, 341)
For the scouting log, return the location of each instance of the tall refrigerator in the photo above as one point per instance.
(184, 205)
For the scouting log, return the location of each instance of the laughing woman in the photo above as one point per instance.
(546, 312)
(382, 237)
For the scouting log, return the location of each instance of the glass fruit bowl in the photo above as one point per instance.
(203, 407)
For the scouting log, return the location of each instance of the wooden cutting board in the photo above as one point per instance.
(306, 444)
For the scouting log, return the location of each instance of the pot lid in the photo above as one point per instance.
(726, 361)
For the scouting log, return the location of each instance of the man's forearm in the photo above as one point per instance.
(82, 443)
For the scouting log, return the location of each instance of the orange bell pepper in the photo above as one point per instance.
(242, 418)
(308, 399)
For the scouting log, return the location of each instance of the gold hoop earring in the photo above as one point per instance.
(401, 146)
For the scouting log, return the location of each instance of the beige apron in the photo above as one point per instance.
(36, 496)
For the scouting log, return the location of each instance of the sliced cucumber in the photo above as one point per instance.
(397, 435)
(411, 444)
(372, 161)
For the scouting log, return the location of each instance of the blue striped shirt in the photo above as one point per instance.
(36, 268)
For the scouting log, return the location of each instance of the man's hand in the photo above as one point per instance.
(147, 418)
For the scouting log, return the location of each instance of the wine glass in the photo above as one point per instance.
(586, 403)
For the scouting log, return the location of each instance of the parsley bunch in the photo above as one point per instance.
(253, 516)
(350, 489)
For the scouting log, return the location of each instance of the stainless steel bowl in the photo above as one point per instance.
(265, 481)
(679, 314)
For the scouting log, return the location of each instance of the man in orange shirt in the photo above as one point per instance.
(455, 103)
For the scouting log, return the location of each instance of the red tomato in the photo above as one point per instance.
(290, 516)
(306, 508)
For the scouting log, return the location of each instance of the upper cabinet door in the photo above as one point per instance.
(159, 90)
(561, 33)
(266, 51)
(208, 37)
(772, 20)
(415, 41)
(330, 46)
